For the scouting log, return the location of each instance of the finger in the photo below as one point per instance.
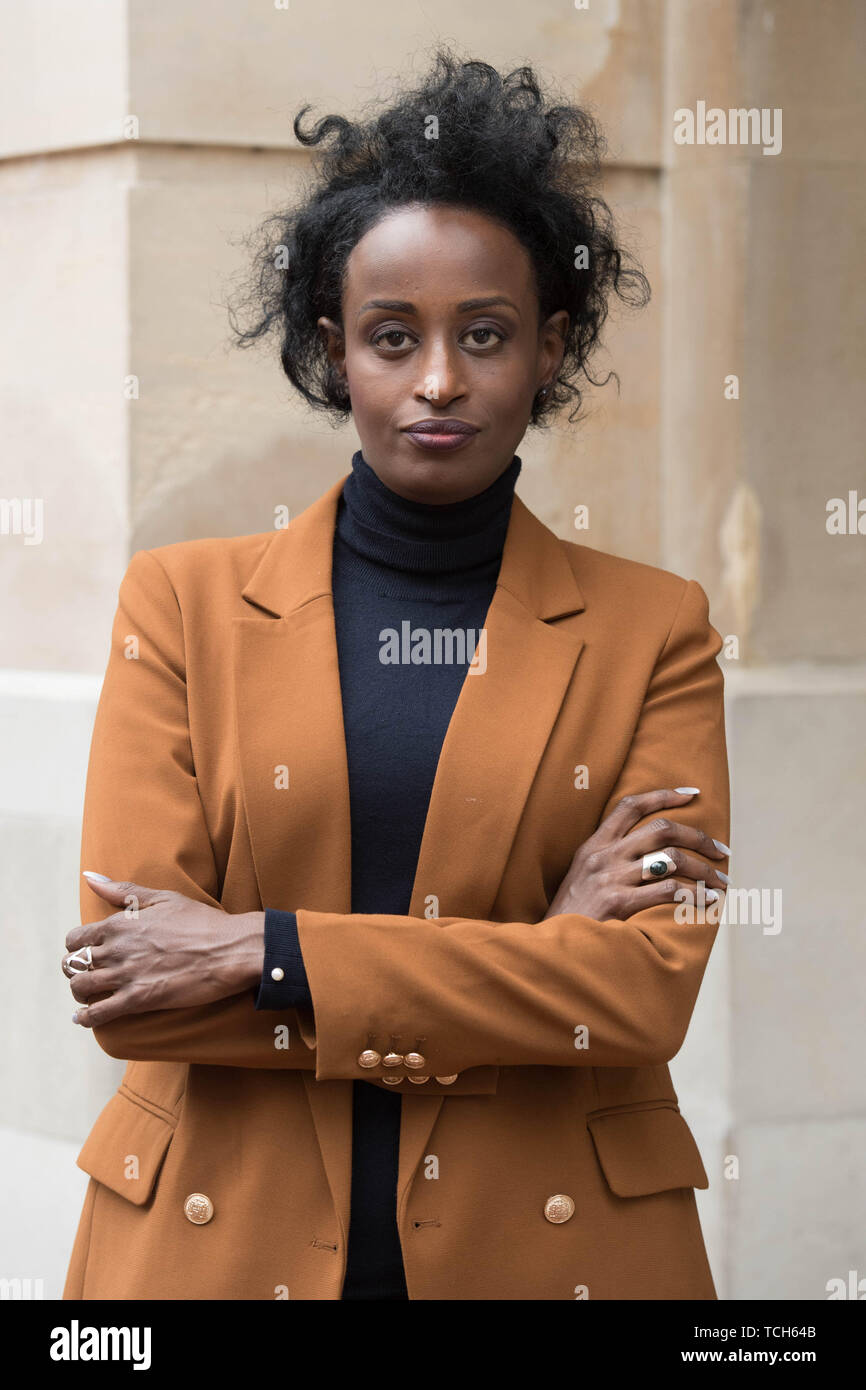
(88, 934)
(664, 890)
(121, 892)
(634, 807)
(685, 864)
(105, 1010)
(662, 831)
(90, 983)
(99, 956)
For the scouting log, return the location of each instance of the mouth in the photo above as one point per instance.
(440, 434)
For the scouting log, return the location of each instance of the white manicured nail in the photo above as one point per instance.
(102, 878)
(686, 789)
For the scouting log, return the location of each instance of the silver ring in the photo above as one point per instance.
(656, 865)
(78, 961)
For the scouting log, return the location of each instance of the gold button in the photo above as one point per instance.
(198, 1208)
(559, 1208)
(392, 1059)
(369, 1058)
(392, 1080)
(447, 1080)
(415, 1059)
(418, 1080)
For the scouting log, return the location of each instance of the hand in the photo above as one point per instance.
(604, 877)
(162, 950)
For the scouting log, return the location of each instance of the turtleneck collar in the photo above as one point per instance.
(396, 533)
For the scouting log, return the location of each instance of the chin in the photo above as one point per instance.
(437, 480)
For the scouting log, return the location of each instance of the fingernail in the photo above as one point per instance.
(687, 789)
(711, 895)
(723, 877)
(75, 1018)
(725, 849)
(102, 878)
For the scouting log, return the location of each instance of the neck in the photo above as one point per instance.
(397, 533)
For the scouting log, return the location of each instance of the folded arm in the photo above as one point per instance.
(568, 991)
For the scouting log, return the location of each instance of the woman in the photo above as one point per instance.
(395, 905)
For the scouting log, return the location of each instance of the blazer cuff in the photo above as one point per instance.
(291, 990)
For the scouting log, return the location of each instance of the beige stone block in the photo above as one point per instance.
(608, 461)
(218, 437)
(807, 59)
(64, 76)
(63, 282)
(54, 1077)
(703, 268)
(798, 773)
(798, 1208)
(804, 410)
(236, 73)
(41, 1196)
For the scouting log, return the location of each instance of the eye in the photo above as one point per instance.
(390, 333)
(493, 335)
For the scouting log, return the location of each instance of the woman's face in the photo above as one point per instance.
(417, 345)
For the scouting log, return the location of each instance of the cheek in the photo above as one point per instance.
(509, 390)
(373, 388)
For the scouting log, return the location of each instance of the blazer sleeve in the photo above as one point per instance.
(567, 991)
(144, 821)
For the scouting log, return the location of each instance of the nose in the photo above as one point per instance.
(441, 373)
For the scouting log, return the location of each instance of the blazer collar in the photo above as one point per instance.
(296, 564)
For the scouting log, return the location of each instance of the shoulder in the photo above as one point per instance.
(213, 566)
(630, 592)
(190, 586)
(188, 561)
(601, 573)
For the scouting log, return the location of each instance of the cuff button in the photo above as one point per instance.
(369, 1058)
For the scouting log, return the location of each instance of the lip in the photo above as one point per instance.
(447, 433)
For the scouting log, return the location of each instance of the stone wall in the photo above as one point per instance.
(139, 142)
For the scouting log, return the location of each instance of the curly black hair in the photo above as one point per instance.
(503, 148)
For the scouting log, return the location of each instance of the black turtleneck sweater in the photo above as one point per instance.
(395, 562)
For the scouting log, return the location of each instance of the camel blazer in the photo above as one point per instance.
(552, 1161)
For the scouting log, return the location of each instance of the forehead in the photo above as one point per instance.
(445, 253)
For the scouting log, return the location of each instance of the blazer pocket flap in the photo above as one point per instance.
(125, 1148)
(643, 1151)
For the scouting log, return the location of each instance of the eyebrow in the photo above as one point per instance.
(467, 306)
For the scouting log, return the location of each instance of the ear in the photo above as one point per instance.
(335, 343)
(551, 345)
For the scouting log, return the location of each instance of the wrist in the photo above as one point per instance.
(250, 928)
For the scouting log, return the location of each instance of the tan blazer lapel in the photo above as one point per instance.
(290, 720)
(498, 732)
(500, 726)
(290, 716)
